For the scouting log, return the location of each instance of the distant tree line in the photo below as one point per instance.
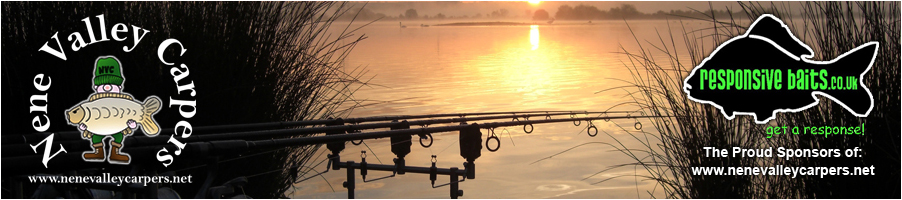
(627, 11)
(565, 12)
(365, 14)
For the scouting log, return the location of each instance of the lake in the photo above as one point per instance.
(457, 69)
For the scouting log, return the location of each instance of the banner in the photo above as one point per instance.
(423, 99)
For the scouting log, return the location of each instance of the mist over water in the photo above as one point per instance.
(518, 8)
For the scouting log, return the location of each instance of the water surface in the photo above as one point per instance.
(456, 69)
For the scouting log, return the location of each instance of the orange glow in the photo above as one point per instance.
(534, 2)
(534, 36)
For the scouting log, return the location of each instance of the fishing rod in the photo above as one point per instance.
(401, 134)
(336, 126)
(75, 135)
(237, 146)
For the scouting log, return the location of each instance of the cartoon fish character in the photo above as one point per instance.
(767, 70)
(109, 115)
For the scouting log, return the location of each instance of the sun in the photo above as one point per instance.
(534, 2)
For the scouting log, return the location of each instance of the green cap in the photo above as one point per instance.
(108, 71)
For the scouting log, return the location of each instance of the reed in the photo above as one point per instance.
(830, 28)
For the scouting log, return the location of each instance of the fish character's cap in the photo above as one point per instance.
(107, 70)
(770, 27)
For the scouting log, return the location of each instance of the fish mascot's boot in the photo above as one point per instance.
(96, 155)
(117, 157)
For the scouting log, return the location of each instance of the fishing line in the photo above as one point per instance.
(581, 131)
(267, 172)
(318, 173)
(321, 162)
(246, 156)
(565, 151)
(508, 135)
(446, 148)
(403, 141)
(371, 150)
(427, 136)
(228, 160)
(312, 168)
(320, 155)
(317, 157)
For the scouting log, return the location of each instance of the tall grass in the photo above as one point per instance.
(830, 28)
(250, 62)
(837, 27)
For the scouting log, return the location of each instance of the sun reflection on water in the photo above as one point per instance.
(528, 76)
(534, 36)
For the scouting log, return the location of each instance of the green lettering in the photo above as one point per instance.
(730, 79)
(720, 74)
(755, 74)
(702, 75)
(712, 79)
(792, 81)
(778, 79)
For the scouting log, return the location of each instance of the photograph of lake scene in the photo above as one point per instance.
(448, 99)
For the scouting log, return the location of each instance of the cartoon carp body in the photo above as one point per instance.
(110, 115)
(769, 45)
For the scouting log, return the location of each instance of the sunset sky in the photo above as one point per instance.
(518, 8)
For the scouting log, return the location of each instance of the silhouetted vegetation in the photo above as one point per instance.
(362, 14)
(500, 13)
(830, 28)
(835, 28)
(249, 61)
(411, 14)
(625, 11)
(540, 14)
(565, 12)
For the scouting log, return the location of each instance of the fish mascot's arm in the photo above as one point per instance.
(131, 126)
(85, 133)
